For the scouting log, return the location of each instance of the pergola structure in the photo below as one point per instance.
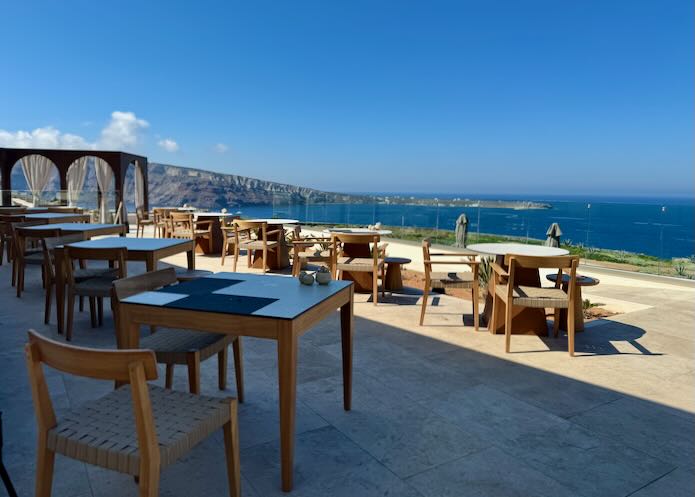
(63, 159)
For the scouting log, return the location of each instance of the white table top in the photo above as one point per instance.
(214, 214)
(75, 227)
(516, 249)
(273, 221)
(358, 231)
(134, 244)
(289, 297)
(53, 215)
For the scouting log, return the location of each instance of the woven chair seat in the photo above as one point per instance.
(33, 258)
(359, 264)
(99, 286)
(463, 279)
(102, 432)
(312, 256)
(188, 234)
(172, 345)
(256, 244)
(86, 273)
(531, 296)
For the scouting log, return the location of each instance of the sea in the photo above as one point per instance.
(661, 227)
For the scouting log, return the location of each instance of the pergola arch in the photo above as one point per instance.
(63, 159)
(52, 173)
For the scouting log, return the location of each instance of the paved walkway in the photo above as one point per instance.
(439, 410)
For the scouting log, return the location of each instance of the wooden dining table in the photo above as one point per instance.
(263, 306)
(57, 217)
(526, 320)
(148, 250)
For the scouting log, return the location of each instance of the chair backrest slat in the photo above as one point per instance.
(535, 262)
(152, 280)
(92, 363)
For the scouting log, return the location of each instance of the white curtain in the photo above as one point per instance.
(104, 178)
(37, 171)
(139, 187)
(76, 176)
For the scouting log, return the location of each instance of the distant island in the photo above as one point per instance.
(175, 185)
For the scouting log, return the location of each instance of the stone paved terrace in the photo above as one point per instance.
(438, 410)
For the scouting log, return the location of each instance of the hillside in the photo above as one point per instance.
(174, 185)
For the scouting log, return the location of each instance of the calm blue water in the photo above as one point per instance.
(662, 228)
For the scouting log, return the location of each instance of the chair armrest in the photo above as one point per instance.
(458, 254)
(499, 270)
(273, 232)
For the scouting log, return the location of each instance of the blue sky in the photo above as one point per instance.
(520, 97)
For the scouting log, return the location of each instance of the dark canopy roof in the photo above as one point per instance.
(119, 162)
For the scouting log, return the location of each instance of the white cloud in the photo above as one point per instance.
(47, 137)
(221, 148)
(168, 144)
(122, 132)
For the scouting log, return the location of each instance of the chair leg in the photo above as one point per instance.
(231, 447)
(507, 325)
(100, 310)
(70, 316)
(169, 376)
(222, 369)
(375, 286)
(93, 311)
(47, 304)
(265, 259)
(383, 281)
(556, 322)
(44, 469)
(81, 308)
(492, 325)
(475, 297)
(238, 368)
(570, 328)
(193, 361)
(224, 253)
(20, 279)
(425, 295)
(236, 257)
(148, 482)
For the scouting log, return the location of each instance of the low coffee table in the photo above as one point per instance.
(578, 300)
(393, 280)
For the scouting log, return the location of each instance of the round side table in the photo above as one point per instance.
(578, 300)
(393, 280)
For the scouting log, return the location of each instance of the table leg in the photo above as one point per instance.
(346, 330)
(150, 263)
(60, 287)
(190, 256)
(287, 381)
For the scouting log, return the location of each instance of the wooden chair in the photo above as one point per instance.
(508, 292)
(183, 225)
(252, 236)
(463, 279)
(27, 251)
(228, 238)
(162, 221)
(142, 219)
(137, 429)
(373, 264)
(177, 346)
(80, 273)
(95, 288)
(310, 250)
